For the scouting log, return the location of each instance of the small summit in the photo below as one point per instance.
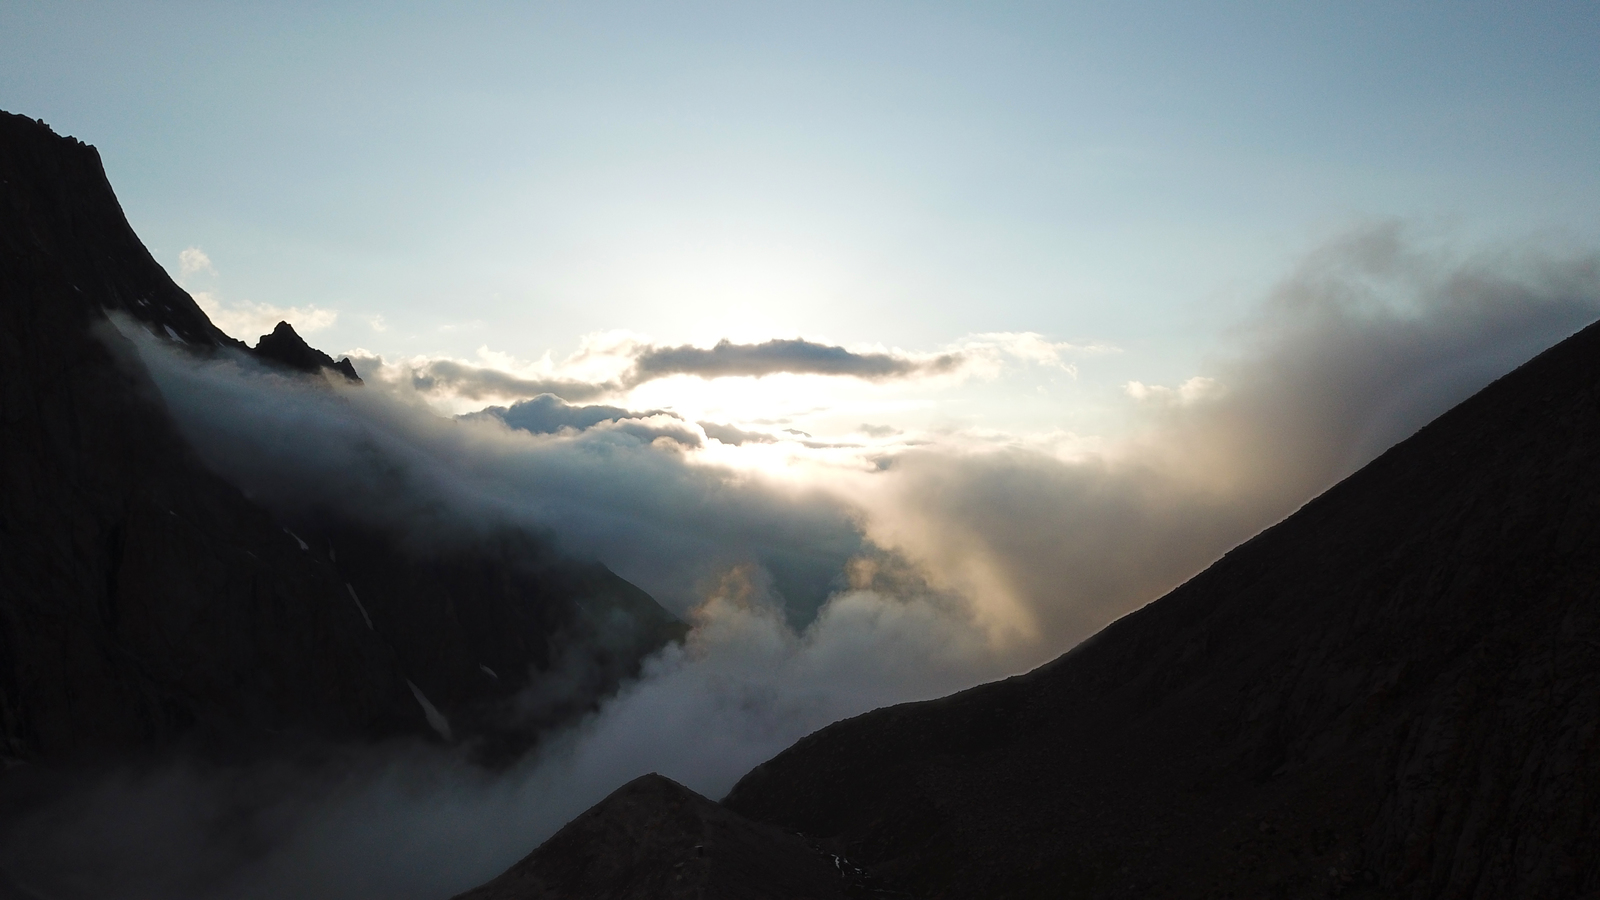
(654, 839)
(285, 347)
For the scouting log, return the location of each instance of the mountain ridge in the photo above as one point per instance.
(1390, 693)
(145, 600)
(1384, 692)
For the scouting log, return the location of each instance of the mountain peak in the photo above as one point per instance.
(286, 347)
(654, 838)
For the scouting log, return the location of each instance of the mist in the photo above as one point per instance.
(812, 598)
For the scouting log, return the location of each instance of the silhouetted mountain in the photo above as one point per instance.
(1394, 692)
(286, 348)
(143, 598)
(654, 839)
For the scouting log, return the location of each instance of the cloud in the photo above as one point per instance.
(734, 437)
(249, 321)
(415, 822)
(1192, 391)
(611, 491)
(549, 414)
(1367, 340)
(612, 364)
(798, 357)
(948, 564)
(194, 261)
(243, 319)
(483, 383)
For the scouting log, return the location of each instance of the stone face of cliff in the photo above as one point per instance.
(144, 599)
(1391, 693)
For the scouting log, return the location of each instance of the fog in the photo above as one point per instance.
(812, 598)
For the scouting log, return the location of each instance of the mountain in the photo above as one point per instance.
(288, 349)
(143, 599)
(654, 839)
(1395, 692)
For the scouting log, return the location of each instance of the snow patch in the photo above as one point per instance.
(436, 719)
(352, 590)
(304, 546)
(488, 671)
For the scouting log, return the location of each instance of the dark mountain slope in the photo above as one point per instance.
(143, 598)
(475, 624)
(286, 348)
(654, 839)
(1394, 692)
(140, 596)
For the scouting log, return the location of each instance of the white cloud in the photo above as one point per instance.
(1190, 392)
(249, 321)
(193, 261)
(243, 319)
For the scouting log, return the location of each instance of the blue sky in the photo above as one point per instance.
(517, 176)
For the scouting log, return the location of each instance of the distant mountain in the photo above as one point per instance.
(143, 599)
(1395, 692)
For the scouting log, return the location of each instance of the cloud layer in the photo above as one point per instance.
(612, 365)
(934, 566)
(797, 357)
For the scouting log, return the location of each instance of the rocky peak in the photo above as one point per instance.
(285, 347)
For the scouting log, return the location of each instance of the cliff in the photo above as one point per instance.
(144, 600)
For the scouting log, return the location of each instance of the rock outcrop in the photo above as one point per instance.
(285, 347)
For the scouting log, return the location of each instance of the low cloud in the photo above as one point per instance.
(610, 491)
(486, 383)
(549, 414)
(1367, 340)
(940, 566)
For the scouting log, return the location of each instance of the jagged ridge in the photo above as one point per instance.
(143, 599)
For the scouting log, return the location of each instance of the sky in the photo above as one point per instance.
(895, 347)
(417, 180)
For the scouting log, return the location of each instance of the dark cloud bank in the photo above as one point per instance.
(772, 357)
(944, 569)
(649, 363)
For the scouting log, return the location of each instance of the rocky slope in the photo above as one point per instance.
(1395, 692)
(143, 599)
(654, 839)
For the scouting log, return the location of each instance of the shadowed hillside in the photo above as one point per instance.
(654, 839)
(143, 599)
(1391, 693)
